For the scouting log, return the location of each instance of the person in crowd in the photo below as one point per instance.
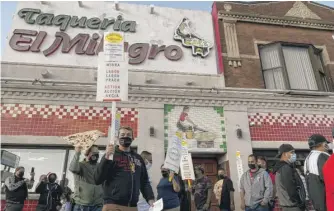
(202, 190)
(16, 189)
(289, 186)
(142, 204)
(313, 169)
(50, 193)
(256, 188)
(262, 163)
(224, 191)
(87, 196)
(123, 175)
(66, 197)
(168, 190)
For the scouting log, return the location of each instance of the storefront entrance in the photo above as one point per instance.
(211, 167)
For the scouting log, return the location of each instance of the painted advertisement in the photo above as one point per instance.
(202, 128)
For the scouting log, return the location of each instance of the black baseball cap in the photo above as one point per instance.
(284, 148)
(316, 139)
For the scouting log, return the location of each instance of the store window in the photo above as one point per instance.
(293, 67)
(43, 160)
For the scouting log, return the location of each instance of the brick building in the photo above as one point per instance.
(282, 55)
(49, 82)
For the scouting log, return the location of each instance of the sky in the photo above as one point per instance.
(8, 9)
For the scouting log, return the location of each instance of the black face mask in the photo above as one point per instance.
(164, 173)
(52, 179)
(125, 141)
(94, 158)
(20, 174)
(221, 176)
(251, 166)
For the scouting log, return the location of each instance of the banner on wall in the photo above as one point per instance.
(239, 166)
(173, 155)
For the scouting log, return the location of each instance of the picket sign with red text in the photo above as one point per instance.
(112, 78)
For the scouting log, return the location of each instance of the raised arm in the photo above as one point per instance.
(175, 182)
(75, 166)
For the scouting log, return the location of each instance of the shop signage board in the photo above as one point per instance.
(61, 33)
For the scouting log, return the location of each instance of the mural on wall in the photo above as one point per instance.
(185, 33)
(203, 128)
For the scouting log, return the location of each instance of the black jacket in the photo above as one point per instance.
(120, 182)
(290, 189)
(50, 194)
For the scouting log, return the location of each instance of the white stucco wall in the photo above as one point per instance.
(157, 28)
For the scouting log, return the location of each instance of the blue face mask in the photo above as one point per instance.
(293, 158)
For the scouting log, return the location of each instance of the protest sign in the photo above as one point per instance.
(113, 77)
(173, 155)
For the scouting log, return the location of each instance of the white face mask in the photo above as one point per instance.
(330, 146)
(148, 165)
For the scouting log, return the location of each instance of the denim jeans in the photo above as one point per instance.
(259, 208)
(78, 207)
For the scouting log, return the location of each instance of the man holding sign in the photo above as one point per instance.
(123, 174)
(87, 195)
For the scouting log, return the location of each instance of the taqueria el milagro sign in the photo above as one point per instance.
(86, 44)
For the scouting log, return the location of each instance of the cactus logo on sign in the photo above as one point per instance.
(185, 33)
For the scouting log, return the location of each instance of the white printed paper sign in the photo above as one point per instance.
(112, 81)
(113, 47)
(158, 206)
(187, 168)
(173, 156)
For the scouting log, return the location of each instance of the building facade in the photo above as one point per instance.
(281, 54)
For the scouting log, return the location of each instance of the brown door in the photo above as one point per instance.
(210, 167)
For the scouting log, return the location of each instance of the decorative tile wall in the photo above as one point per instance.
(60, 120)
(29, 205)
(289, 127)
(209, 133)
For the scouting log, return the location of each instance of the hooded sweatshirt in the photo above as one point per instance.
(289, 185)
(257, 187)
(123, 178)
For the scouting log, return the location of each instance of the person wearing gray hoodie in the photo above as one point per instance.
(256, 187)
